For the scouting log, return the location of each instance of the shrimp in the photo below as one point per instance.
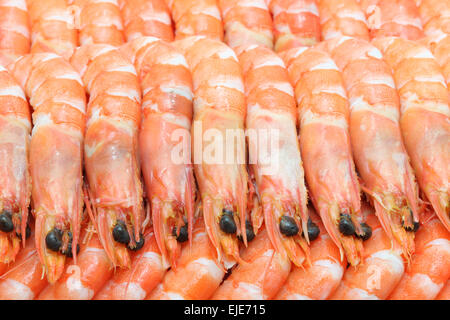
(435, 15)
(430, 266)
(83, 280)
(111, 148)
(14, 30)
(445, 293)
(197, 276)
(99, 21)
(56, 93)
(378, 148)
(247, 22)
(167, 115)
(53, 27)
(296, 23)
(342, 18)
(15, 128)
(398, 18)
(218, 142)
(146, 18)
(23, 280)
(320, 280)
(424, 118)
(380, 271)
(325, 147)
(196, 17)
(146, 272)
(280, 179)
(440, 47)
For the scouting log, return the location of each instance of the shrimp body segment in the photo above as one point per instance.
(325, 145)
(166, 124)
(272, 112)
(15, 129)
(377, 142)
(424, 119)
(110, 149)
(56, 93)
(445, 292)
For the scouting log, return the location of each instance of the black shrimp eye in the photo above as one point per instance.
(313, 230)
(139, 244)
(367, 232)
(68, 253)
(346, 226)
(227, 223)
(249, 232)
(183, 236)
(6, 224)
(288, 226)
(120, 233)
(416, 226)
(53, 240)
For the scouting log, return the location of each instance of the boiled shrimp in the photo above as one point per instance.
(445, 292)
(325, 147)
(56, 93)
(247, 22)
(110, 151)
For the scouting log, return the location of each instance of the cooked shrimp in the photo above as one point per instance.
(247, 22)
(167, 115)
(147, 270)
(219, 144)
(440, 47)
(342, 18)
(430, 266)
(398, 18)
(146, 18)
(53, 27)
(435, 15)
(424, 118)
(99, 21)
(15, 128)
(110, 149)
(198, 273)
(377, 143)
(272, 113)
(56, 93)
(445, 293)
(380, 271)
(296, 23)
(318, 281)
(83, 280)
(196, 17)
(325, 147)
(14, 30)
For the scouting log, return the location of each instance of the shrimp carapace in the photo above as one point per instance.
(218, 141)
(272, 119)
(111, 148)
(15, 129)
(56, 93)
(377, 142)
(323, 110)
(166, 123)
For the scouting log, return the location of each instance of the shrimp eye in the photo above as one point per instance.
(249, 231)
(367, 232)
(288, 226)
(183, 236)
(120, 233)
(53, 240)
(415, 227)
(313, 230)
(68, 252)
(6, 224)
(346, 226)
(139, 244)
(227, 223)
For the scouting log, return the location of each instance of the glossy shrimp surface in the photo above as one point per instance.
(146, 18)
(378, 148)
(196, 17)
(14, 30)
(58, 99)
(247, 22)
(424, 118)
(435, 16)
(219, 160)
(319, 280)
(325, 146)
(15, 129)
(272, 112)
(166, 123)
(110, 149)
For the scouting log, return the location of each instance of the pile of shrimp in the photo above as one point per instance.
(224, 149)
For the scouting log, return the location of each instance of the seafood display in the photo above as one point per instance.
(224, 150)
